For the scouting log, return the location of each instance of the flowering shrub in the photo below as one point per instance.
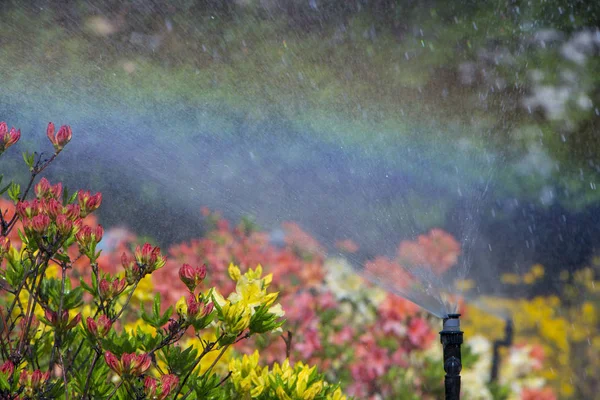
(376, 344)
(73, 322)
(565, 330)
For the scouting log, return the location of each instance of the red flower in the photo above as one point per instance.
(60, 139)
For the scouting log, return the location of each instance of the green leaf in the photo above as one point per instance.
(5, 188)
(14, 191)
(29, 159)
(4, 385)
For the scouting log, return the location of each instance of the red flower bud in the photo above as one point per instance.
(4, 246)
(59, 140)
(7, 368)
(40, 223)
(113, 362)
(88, 203)
(64, 225)
(7, 138)
(192, 276)
(42, 188)
(109, 289)
(154, 390)
(101, 328)
(149, 257)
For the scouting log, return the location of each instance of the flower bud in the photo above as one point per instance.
(110, 289)
(192, 276)
(64, 225)
(60, 139)
(149, 257)
(42, 188)
(7, 368)
(100, 328)
(7, 138)
(113, 362)
(40, 223)
(153, 389)
(4, 246)
(88, 203)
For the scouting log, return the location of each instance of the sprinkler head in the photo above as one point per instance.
(452, 338)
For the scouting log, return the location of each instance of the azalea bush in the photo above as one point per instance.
(376, 344)
(565, 328)
(77, 323)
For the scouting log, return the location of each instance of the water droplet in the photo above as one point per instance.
(563, 137)
(490, 246)
(474, 25)
(593, 185)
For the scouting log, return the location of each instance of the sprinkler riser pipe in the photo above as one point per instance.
(451, 338)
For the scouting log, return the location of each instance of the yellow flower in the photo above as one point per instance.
(511, 279)
(537, 270)
(337, 395)
(465, 284)
(528, 278)
(234, 272)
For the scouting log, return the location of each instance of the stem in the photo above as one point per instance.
(31, 306)
(223, 350)
(126, 302)
(89, 376)
(207, 349)
(60, 306)
(115, 390)
(64, 375)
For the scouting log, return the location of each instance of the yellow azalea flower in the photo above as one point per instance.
(181, 306)
(209, 358)
(53, 271)
(145, 290)
(537, 270)
(528, 278)
(465, 284)
(337, 395)
(281, 394)
(510, 279)
(132, 328)
(234, 272)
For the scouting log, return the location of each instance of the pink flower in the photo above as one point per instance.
(60, 139)
(420, 333)
(537, 394)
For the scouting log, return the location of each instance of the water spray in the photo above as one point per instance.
(506, 342)
(452, 337)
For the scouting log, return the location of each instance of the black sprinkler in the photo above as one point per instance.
(506, 342)
(452, 337)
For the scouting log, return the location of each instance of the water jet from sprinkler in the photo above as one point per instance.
(452, 338)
